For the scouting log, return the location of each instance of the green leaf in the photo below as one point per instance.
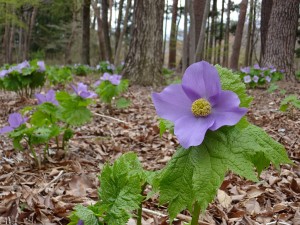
(75, 115)
(122, 103)
(120, 190)
(165, 125)
(232, 82)
(86, 215)
(195, 174)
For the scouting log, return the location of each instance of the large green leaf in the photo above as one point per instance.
(195, 174)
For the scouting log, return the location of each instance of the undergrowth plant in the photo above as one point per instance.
(81, 70)
(49, 122)
(59, 75)
(290, 104)
(23, 78)
(110, 87)
(207, 114)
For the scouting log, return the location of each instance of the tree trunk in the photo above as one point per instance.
(200, 45)
(249, 35)
(118, 29)
(173, 37)
(119, 47)
(212, 32)
(234, 60)
(31, 23)
(252, 42)
(192, 34)
(165, 31)
(185, 39)
(143, 64)
(280, 43)
(85, 51)
(226, 39)
(105, 26)
(266, 9)
(199, 8)
(11, 45)
(221, 33)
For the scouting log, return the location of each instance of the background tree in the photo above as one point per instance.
(86, 20)
(143, 63)
(105, 22)
(234, 60)
(173, 36)
(280, 44)
(226, 37)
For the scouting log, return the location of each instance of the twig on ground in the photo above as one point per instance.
(52, 181)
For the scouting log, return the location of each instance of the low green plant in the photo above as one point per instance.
(23, 78)
(107, 67)
(289, 101)
(81, 70)
(59, 75)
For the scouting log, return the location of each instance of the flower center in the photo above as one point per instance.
(201, 107)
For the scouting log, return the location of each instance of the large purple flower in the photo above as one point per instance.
(15, 120)
(48, 97)
(198, 104)
(82, 91)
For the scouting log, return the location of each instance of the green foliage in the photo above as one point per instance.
(106, 67)
(119, 194)
(273, 87)
(59, 75)
(122, 103)
(81, 70)
(288, 101)
(195, 174)
(165, 125)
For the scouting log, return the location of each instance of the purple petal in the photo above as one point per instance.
(191, 131)
(41, 98)
(3, 73)
(50, 97)
(6, 129)
(172, 103)
(74, 89)
(41, 65)
(201, 80)
(80, 222)
(106, 76)
(226, 110)
(81, 87)
(15, 120)
(97, 83)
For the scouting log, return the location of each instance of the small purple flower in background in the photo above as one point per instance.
(262, 74)
(255, 78)
(246, 69)
(247, 79)
(273, 70)
(23, 65)
(105, 76)
(198, 104)
(82, 91)
(268, 79)
(256, 66)
(41, 65)
(48, 97)
(115, 79)
(3, 73)
(97, 83)
(15, 120)
(264, 68)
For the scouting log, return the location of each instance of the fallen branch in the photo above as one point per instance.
(109, 117)
(52, 181)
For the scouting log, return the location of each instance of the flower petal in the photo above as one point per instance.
(6, 129)
(172, 103)
(74, 89)
(191, 131)
(201, 80)
(41, 98)
(15, 120)
(226, 110)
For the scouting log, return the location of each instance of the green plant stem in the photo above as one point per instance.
(196, 213)
(37, 161)
(63, 141)
(139, 215)
(46, 151)
(57, 142)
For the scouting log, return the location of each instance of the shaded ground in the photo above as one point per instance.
(47, 196)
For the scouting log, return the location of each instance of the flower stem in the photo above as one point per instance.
(139, 215)
(37, 161)
(196, 213)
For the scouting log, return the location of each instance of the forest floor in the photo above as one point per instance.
(47, 196)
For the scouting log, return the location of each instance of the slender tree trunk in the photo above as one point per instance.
(5, 41)
(11, 44)
(221, 34)
(143, 64)
(212, 32)
(252, 43)
(105, 26)
(266, 9)
(199, 8)
(86, 20)
(208, 33)
(192, 33)
(31, 23)
(226, 40)
(249, 35)
(165, 31)
(280, 44)
(185, 39)
(234, 60)
(119, 47)
(118, 29)
(173, 37)
(200, 45)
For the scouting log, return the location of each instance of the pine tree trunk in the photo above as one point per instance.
(86, 20)
(221, 33)
(266, 9)
(280, 44)
(118, 29)
(173, 37)
(226, 39)
(143, 64)
(105, 25)
(212, 32)
(249, 34)
(234, 60)
(185, 39)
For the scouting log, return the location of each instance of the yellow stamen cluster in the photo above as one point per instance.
(201, 107)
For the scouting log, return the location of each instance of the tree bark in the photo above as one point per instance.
(280, 44)
(226, 39)
(143, 64)
(85, 51)
(173, 37)
(234, 60)
(266, 9)
(221, 33)
(199, 8)
(118, 29)
(192, 33)
(249, 35)
(105, 25)
(212, 32)
(185, 39)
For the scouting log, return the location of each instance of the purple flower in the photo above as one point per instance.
(3, 73)
(15, 120)
(247, 79)
(256, 66)
(115, 79)
(97, 83)
(198, 104)
(80, 222)
(264, 68)
(23, 65)
(255, 78)
(246, 69)
(268, 79)
(262, 74)
(41, 65)
(105, 76)
(82, 91)
(273, 70)
(49, 97)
